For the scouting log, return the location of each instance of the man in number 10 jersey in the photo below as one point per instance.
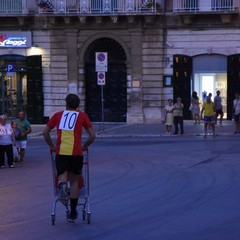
(69, 151)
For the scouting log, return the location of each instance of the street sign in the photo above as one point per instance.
(101, 62)
(101, 78)
(10, 70)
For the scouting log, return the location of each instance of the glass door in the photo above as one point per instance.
(13, 94)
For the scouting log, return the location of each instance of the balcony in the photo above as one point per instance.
(13, 7)
(205, 5)
(98, 7)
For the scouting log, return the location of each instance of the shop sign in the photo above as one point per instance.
(15, 39)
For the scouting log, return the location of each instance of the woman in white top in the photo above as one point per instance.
(195, 107)
(236, 113)
(6, 140)
(169, 118)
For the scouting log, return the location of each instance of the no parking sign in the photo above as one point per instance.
(101, 78)
(101, 62)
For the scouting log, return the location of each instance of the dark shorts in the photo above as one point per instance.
(236, 117)
(69, 163)
(219, 112)
(209, 119)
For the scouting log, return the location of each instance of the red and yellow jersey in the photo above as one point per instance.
(69, 126)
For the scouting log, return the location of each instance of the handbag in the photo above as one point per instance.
(163, 116)
(191, 107)
(234, 107)
(16, 156)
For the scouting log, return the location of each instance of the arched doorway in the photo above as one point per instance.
(115, 90)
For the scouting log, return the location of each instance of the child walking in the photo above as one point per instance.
(16, 133)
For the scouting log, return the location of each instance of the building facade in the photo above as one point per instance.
(155, 50)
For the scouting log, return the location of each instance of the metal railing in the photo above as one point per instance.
(92, 7)
(13, 6)
(204, 5)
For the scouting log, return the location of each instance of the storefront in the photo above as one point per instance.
(206, 74)
(20, 76)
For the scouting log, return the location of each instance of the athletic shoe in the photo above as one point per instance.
(3, 166)
(62, 193)
(11, 166)
(73, 216)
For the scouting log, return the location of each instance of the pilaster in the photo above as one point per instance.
(135, 115)
(72, 59)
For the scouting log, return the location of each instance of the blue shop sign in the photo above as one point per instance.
(15, 39)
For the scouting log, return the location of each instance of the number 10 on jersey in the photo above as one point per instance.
(68, 120)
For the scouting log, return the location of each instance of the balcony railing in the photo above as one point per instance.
(13, 7)
(91, 7)
(204, 5)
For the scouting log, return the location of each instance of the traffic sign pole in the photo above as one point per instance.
(11, 99)
(101, 82)
(102, 97)
(101, 68)
(10, 73)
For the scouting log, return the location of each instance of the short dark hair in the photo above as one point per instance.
(72, 101)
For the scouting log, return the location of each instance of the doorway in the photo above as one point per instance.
(210, 76)
(205, 73)
(205, 83)
(22, 89)
(13, 94)
(188, 72)
(115, 89)
(13, 86)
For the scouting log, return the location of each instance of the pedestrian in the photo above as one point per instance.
(209, 120)
(218, 108)
(16, 133)
(69, 152)
(25, 128)
(236, 113)
(195, 108)
(169, 117)
(6, 140)
(178, 116)
(210, 95)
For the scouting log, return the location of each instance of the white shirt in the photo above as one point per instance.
(218, 102)
(6, 133)
(236, 106)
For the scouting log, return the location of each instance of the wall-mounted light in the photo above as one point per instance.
(167, 61)
(170, 45)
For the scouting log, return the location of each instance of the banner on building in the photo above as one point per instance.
(15, 39)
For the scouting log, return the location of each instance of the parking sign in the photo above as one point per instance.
(10, 70)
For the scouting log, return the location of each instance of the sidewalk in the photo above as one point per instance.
(145, 130)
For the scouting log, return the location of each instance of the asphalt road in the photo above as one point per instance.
(172, 188)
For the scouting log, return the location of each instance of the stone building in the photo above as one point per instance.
(155, 50)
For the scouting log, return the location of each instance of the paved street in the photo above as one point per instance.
(168, 188)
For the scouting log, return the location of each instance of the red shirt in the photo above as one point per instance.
(69, 131)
